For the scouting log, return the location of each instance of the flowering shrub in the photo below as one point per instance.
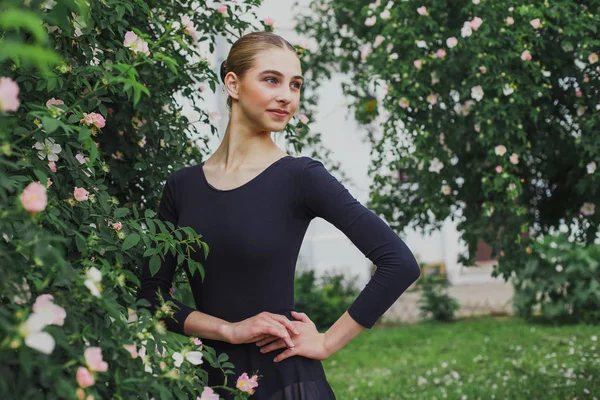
(89, 132)
(559, 281)
(481, 112)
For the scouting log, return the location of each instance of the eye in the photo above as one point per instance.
(271, 79)
(299, 85)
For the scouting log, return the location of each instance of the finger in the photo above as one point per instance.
(281, 332)
(285, 321)
(279, 344)
(267, 340)
(260, 337)
(300, 316)
(286, 354)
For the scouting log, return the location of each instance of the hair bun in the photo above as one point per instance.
(223, 70)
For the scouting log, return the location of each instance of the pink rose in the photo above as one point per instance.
(403, 102)
(593, 58)
(578, 93)
(422, 10)
(269, 21)
(84, 377)
(483, 69)
(34, 197)
(93, 359)
(526, 55)
(80, 194)
(117, 226)
(303, 118)
(131, 349)
(208, 394)
(93, 119)
(52, 166)
(418, 63)
(451, 42)
(510, 20)
(441, 53)
(535, 23)
(498, 168)
(378, 40)
(514, 158)
(44, 304)
(53, 101)
(246, 384)
(588, 209)
(9, 94)
(476, 23)
(130, 38)
(223, 10)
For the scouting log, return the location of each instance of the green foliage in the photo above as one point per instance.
(121, 134)
(560, 282)
(438, 114)
(326, 299)
(435, 303)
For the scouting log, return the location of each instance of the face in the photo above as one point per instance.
(273, 83)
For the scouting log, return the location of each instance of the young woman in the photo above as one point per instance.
(252, 203)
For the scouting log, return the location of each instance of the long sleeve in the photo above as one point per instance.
(397, 268)
(163, 279)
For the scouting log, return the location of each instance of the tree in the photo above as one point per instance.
(487, 111)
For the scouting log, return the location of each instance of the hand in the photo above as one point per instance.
(309, 342)
(260, 326)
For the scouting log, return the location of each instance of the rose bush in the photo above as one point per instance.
(90, 129)
(482, 112)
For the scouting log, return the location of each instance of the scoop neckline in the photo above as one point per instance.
(244, 184)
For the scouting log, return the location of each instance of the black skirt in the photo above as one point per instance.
(295, 378)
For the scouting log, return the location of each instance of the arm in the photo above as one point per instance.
(324, 196)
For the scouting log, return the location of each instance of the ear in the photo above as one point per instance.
(232, 84)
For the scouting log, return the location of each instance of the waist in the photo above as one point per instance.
(219, 344)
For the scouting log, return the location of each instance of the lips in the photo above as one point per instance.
(279, 113)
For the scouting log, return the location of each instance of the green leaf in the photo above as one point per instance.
(135, 213)
(149, 251)
(120, 11)
(130, 241)
(121, 212)
(103, 110)
(154, 264)
(149, 213)
(151, 226)
(50, 124)
(84, 134)
(205, 248)
(80, 242)
(15, 18)
(40, 175)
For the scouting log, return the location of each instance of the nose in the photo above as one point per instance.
(285, 95)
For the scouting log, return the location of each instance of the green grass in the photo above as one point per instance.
(480, 358)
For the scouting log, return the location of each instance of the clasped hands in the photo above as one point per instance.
(272, 331)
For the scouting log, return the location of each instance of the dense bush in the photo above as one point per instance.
(560, 281)
(482, 111)
(324, 299)
(89, 131)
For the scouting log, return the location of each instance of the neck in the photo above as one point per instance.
(243, 144)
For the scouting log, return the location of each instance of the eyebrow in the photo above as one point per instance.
(274, 72)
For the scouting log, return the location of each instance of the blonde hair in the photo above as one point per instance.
(245, 49)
